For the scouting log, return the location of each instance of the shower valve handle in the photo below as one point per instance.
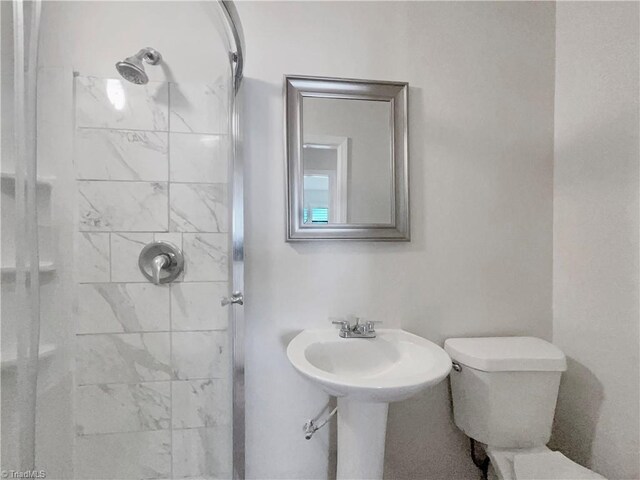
(161, 262)
(157, 264)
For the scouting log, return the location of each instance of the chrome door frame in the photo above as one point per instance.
(236, 315)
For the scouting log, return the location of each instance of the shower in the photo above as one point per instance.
(170, 396)
(132, 69)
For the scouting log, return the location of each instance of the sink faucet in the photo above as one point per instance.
(352, 328)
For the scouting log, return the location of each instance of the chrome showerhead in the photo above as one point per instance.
(132, 71)
(132, 68)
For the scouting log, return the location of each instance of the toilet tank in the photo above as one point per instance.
(505, 392)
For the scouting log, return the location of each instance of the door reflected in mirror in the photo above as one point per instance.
(325, 161)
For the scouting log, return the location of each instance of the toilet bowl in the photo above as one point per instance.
(536, 463)
(504, 393)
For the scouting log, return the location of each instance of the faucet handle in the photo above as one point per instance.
(158, 263)
(344, 324)
(369, 325)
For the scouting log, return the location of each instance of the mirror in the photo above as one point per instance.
(347, 159)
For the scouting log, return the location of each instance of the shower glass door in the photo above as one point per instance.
(128, 379)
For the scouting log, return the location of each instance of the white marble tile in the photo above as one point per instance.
(125, 206)
(121, 155)
(123, 407)
(171, 237)
(199, 108)
(116, 103)
(206, 256)
(122, 358)
(201, 403)
(122, 308)
(124, 456)
(196, 306)
(125, 250)
(202, 453)
(196, 207)
(92, 257)
(200, 355)
(199, 158)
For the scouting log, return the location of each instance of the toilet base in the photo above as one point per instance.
(537, 462)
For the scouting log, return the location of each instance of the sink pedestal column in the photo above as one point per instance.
(361, 432)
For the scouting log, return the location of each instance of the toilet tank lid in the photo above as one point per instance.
(506, 354)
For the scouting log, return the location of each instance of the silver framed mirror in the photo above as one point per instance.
(347, 159)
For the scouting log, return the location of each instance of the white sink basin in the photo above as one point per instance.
(393, 366)
(365, 374)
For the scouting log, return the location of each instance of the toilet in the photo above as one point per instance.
(504, 395)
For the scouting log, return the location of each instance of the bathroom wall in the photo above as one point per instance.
(596, 226)
(481, 135)
(99, 33)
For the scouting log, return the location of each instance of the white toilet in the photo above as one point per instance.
(504, 395)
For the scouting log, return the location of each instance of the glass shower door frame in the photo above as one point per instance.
(236, 314)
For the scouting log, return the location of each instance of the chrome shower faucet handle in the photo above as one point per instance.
(161, 262)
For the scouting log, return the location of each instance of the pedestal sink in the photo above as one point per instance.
(366, 374)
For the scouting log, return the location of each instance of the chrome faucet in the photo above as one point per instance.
(352, 328)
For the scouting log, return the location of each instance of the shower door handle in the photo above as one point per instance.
(236, 297)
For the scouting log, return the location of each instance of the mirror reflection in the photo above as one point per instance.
(347, 161)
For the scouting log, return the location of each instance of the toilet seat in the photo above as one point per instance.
(538, 463)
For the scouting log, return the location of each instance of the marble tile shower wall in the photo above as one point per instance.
(152, 395)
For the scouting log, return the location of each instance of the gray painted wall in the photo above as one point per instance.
(481, 139)
(595, 304)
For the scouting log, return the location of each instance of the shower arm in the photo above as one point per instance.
(149, 55)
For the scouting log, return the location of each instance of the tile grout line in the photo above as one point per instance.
(109, 180)
(171, 362)
(145, 332)
(147, 130)
(169, 164)
(150, 232)
(134, 232)
(140, 282)
(75, 227)
(127, 432)
(166, 380)
(110, 259)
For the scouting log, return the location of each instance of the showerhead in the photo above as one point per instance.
(132, 68)
(132, 71)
